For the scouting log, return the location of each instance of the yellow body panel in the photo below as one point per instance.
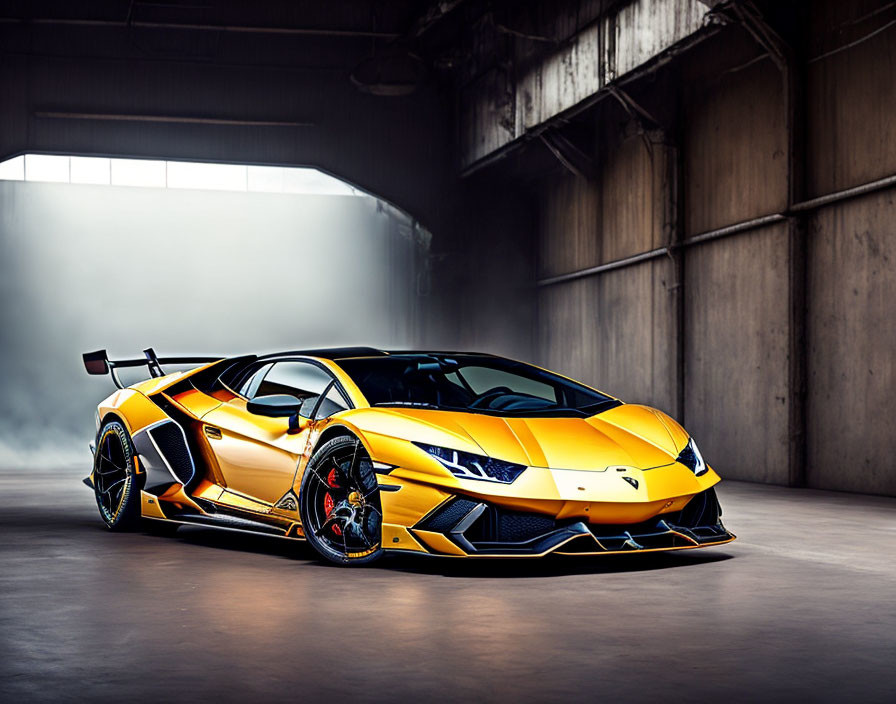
(195, 402)
(208, 491)
(133, 408)
(149, 506)
(256, 455)
(573, 480)
(400, 538)
(411, 502)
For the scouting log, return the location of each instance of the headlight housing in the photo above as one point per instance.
(466, 465)
(691, 458)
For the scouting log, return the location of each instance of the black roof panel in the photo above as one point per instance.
(347, 352)
(329, 353)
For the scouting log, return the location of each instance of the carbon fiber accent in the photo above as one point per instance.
(484, 529)
(702, 510)
(233, 522)
(501, 526)
(446, 516)
(169, 438)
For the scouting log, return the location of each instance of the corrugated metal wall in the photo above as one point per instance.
(618, 326)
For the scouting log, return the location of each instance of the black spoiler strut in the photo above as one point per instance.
(99, 363)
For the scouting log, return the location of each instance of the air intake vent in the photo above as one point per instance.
(447, 516)
(171, 443)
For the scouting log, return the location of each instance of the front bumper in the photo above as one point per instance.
(463, 526)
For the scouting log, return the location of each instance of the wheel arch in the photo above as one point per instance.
(113, 416)
(339, 430)
(132, 409)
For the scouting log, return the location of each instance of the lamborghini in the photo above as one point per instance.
(361, 452)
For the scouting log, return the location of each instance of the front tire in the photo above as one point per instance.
(115, 478)
(339, 503)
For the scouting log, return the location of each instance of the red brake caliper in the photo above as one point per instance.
(328, 499)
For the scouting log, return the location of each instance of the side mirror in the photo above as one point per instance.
(276, 406)
(302, 416)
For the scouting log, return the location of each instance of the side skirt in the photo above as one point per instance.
(250, 527)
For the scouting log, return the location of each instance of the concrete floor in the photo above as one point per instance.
(801, 607)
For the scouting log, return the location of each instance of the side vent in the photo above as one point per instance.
(171, 443)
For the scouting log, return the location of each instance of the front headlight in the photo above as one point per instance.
(469, 466)
(691, 458)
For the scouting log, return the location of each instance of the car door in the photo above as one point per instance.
(257, 454)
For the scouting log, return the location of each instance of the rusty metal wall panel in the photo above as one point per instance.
(736, 346)
(615, 331)
(618, 214)
(735, 148)
(852, 101)
(852, 335)
(643, 29)
(486, 113)
(633, 195)
(569, 232)
(624, 39)
(567, 329)
(560, 81)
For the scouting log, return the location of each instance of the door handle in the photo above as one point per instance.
(212, 432)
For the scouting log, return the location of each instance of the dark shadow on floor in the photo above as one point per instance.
(550, 566)
(301, 552)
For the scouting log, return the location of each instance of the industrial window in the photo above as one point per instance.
(150, 173)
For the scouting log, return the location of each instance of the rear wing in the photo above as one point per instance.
(99, 363)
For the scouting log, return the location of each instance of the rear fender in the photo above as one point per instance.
(158, 441)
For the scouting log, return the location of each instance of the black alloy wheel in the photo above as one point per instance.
(117, 496)
(339, 503)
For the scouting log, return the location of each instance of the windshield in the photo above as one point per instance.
(473, 383)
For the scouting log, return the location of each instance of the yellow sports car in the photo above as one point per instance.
(363, 452)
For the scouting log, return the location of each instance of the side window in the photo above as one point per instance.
(249, 388)
(301, 379)
(331, 403)
(482, 379)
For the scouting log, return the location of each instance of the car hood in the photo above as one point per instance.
(628, 435)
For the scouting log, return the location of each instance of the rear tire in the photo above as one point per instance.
(339, 503)
(115, 478)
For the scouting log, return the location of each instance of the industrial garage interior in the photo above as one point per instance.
(688, 204)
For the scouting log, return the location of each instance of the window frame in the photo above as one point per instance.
(334, 384)
(259, 364)
(565, 387)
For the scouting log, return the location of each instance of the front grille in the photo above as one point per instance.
(498, 525)
(499, 531)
